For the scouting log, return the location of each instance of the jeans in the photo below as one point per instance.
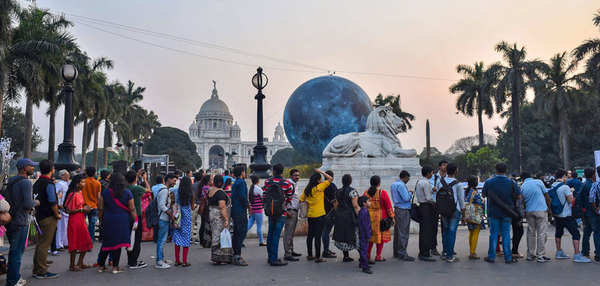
(40, 257)
(426, 229)
(240, 228)
(449, 227)
(315, 232)
(517, 228)
(325, 235)
(275, 227)
(258, 218)
(17, 235)
(594, 222)
(502, 226)
(288, 234)
(163, 231)
(92, 219)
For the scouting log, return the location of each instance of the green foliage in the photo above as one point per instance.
(289, 157)
(177, 144)
(394, 103)
(484, 159)
(13, 127)
(306, 170)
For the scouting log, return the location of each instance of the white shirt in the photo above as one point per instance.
(295, 201)
(61, 191)
(458, 191)
(563, 192)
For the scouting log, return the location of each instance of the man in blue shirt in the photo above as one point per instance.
(402, 200)
(537, 201)
(239, 214)
(590, 217)
(500, 191)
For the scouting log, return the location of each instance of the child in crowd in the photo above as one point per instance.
(364, 233)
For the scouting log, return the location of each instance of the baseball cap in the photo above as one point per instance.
(24, 162)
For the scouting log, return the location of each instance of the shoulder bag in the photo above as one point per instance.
(388, 222)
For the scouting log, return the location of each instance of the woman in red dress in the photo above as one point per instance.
(77, 231)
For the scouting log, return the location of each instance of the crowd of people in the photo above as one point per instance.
(66, 208)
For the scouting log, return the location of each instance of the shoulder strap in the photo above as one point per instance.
(472, 196)
(117, 202)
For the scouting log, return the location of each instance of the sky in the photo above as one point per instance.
(413, 38)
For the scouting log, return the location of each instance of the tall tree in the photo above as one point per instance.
(394, 103)
(38, 40)
(475, 92)
(555, 95)
(8, 11)
(589, 51)
(516, 77)
(112, 112)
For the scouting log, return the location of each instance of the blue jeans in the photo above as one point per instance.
(591, 225)
(275, 226)
(449, 227)
(325, 237)
(92, 219)
(502, 226)
(258, 218)
(16, 237)
(163, 231)
(240, 229)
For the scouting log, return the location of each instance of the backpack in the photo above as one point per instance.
(274, 200)
(555, 205)
(152, 213)
(445, 203)
(7, 190)
(580, 204)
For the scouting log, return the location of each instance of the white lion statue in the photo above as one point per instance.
(379, 140)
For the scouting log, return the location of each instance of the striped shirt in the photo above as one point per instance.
(256, 203)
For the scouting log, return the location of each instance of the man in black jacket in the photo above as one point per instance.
(329, 199)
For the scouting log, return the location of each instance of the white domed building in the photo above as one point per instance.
(218, 137)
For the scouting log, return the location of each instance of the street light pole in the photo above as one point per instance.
(260, 167)
(66, 150)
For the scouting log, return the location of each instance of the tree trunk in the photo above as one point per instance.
(95, 160)
(564, 140)
(84, 144)
(28, 127)
(480, 126)
(107, 143)
(516, 129)
(52, 134)
(2, 94)
(427, 141)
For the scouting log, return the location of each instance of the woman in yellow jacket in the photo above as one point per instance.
(314, 196)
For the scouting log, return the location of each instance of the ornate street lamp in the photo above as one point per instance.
(66, 150)
(259, 166)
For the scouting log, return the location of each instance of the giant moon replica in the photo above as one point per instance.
(333, 116)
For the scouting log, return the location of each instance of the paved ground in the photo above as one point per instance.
(391, 272)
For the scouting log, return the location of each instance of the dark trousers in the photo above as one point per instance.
(401, 231)
(426, 229)
(591, 223)
(17, 235)
(325, 236)
(436, 226)
(315, 231)
(134, 254)
(517, 228)
(240, 228)
(115, 254)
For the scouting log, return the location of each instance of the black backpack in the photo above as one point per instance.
(152, 214)
(444, 200)
(274, 200)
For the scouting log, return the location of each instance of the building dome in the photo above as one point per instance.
(214, 108)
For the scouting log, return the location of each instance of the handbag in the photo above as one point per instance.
(388, 222)
(414, 210)
(473, 212)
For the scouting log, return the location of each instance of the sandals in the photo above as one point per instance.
(320, 260)
(117, 271)
(84, 266)
(101, 269)
(74, 269)
(186, 265)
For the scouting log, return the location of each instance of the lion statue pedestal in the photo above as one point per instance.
(377, 151)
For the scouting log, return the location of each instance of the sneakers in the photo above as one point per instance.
(21, 282)
(162, 265)
(581, 259)
(452, 259)
(139, 265)
(561, 255)
(543, 259)
(46, 275)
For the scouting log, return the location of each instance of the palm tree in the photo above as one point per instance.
(589, 51)
(394, 103)
(556, 95)
(38, 40)
(130, 112)
(112, 113)
(8, 10)
(516, 77)
(476, 92)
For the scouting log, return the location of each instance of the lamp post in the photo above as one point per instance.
(259, 166)
(66, 150)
